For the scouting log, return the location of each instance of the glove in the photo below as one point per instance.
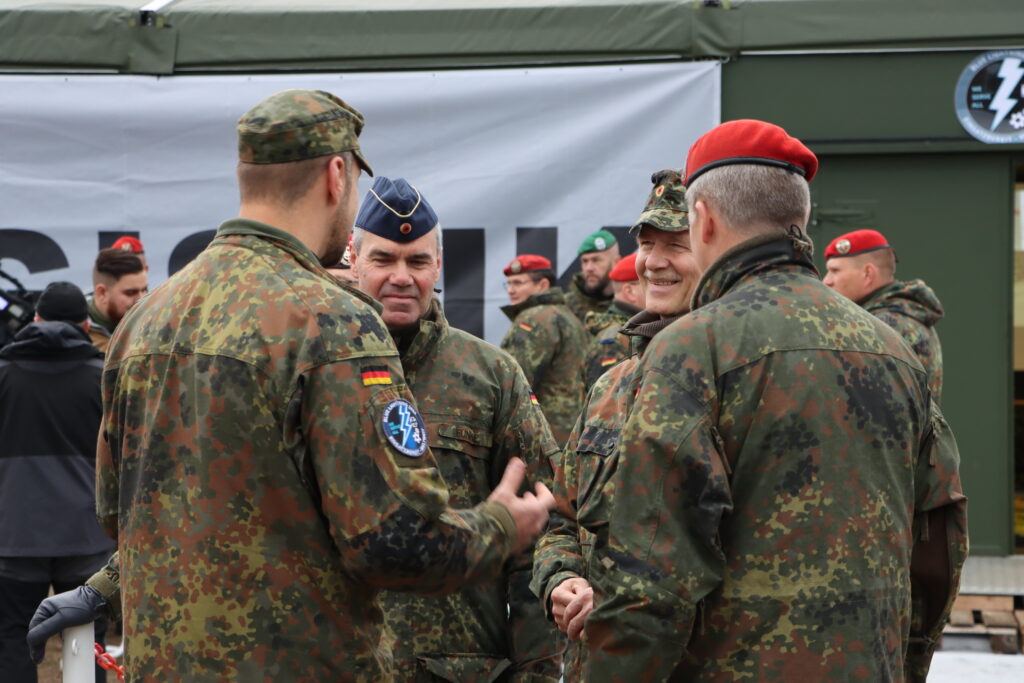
(76, 607)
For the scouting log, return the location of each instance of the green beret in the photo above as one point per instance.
(599, 241)
(666, 204)
(293, 125)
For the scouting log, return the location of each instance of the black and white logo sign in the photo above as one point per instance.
(404, 428)
(990, 97)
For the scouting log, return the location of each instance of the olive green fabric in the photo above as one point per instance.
(237, 35)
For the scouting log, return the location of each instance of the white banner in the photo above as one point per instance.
(513, 160)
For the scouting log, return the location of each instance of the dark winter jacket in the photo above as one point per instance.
(49, 419)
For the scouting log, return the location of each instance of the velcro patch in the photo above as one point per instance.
(404, 428)
(376, 374)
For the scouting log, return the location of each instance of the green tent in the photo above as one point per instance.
(181, 36)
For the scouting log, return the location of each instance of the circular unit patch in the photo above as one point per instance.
(404, 428)
(989, 97)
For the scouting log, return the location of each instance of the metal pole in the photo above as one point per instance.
(78, 658)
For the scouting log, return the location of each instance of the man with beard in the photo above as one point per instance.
(479, 414)
(262, 463)
(668, 274)
(788, 504)
(119, 279)
(609, 347)
(591, 289)
(862, 267)
(547, 341)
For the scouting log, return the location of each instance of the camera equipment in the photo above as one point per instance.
(16, 309)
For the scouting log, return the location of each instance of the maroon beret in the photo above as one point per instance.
(856, 242)
(747, 141)
(524, 263)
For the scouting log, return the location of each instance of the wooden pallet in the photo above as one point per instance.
(989, 615)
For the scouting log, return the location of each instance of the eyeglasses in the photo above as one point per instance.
(519, 282)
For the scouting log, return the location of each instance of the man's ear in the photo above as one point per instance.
(337, 179)
(870, 275)
(708, 220)
(544, 284)
(99, 294)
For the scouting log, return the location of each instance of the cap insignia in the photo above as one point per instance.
(843, 246)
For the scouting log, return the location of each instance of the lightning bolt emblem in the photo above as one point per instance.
(1010, 71)
(407, 423)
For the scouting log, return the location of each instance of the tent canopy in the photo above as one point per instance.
(176, 36)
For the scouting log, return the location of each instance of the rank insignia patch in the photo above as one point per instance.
(375, 374)
(404, 428)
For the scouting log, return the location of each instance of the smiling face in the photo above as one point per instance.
(667, 269)
(401, 276)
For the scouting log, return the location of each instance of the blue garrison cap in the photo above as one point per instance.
(395, 210)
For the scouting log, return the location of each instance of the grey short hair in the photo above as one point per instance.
(751, 197)
(358, 234)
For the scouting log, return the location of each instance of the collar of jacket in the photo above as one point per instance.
(642, 327)
(551, 296)
(433, 328)
(50, 338)
(294, 246)
(768, 252)
(624, 309)
(579, 284)
(97, 319)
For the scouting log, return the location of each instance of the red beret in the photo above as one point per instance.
(128, 244)
(625, 269)
(856, 242)
(747, 141)
(524, 263)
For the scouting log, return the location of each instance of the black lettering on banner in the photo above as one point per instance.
(463, 259)
(37, 252)
(540, 241)
(187, 249)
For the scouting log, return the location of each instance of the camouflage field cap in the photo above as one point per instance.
(666, 204)
(293, 125)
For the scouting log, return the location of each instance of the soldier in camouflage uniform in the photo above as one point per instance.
(609, 347)
(478, 412)
(583, 470)
(790, 484)
(547, 341)
(261, 460)
(862, 267)
(591, 290)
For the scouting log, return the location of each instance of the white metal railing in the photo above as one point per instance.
(78, 658)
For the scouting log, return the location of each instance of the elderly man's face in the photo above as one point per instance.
(667, 269)
(401, 276)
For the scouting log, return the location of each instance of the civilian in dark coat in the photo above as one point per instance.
(49, 419)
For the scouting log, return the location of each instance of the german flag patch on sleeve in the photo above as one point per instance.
(533, 399)
(525, 326)
(375, 374)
